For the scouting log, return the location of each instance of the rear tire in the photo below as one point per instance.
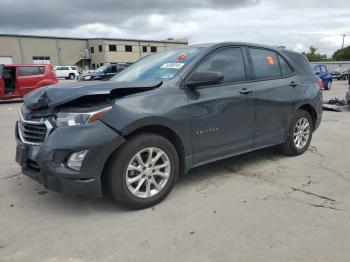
(299, 134)
(71, 76)
(134, 177)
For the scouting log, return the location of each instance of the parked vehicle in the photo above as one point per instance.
(344, 75)
(17, 80)
(104, 72)
(324, 75)
(336, 73)
(67, 72)
(348, 95)
(164, 115)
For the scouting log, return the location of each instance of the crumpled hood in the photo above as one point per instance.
(56, 95)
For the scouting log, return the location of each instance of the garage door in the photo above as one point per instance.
(5, 60)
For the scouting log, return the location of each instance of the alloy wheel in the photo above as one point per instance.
(148, 172)
(301, 133)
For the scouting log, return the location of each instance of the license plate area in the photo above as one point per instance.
(21, 154)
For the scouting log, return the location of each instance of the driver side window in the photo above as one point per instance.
(228, 61)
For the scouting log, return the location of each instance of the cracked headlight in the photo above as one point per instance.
(75, 119)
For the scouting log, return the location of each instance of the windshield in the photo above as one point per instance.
(102, 68)
(161, 66)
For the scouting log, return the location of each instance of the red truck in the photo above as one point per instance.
(18, 80)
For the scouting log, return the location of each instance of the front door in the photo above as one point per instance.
(222, 115)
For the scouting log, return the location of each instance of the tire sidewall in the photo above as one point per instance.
(299, 114)
(122, 158)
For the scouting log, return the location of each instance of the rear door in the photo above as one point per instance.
(222, 115)
(29, 77)
(275, 83)
(65, 71)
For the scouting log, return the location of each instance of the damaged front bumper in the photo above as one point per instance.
(47, 163)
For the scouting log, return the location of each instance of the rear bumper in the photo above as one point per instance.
(47, 163)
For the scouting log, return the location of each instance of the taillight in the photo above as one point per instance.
(320, 83)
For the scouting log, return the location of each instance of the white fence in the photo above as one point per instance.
(331, 65)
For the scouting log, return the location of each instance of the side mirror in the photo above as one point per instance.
(204, 79)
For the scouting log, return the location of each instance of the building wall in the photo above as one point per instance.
(67, 51)
(71, 51)
(39, 47)
(97, 57)
(10, 46)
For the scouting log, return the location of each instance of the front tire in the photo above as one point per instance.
(71, 76)
(143, 171)
(329, 85)
(299, 134)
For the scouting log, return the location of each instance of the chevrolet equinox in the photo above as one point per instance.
(134, 135)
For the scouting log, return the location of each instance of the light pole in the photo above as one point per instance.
(342, 46)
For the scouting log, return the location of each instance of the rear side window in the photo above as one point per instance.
(285, 68)
(228, 61)
(300, 62)
(30, 70)
(265, 64)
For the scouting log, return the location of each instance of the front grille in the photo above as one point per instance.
(33, 132)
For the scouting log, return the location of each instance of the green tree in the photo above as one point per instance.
(342, 55)
(314, 56)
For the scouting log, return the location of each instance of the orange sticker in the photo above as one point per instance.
(269, 60)
(181, 56)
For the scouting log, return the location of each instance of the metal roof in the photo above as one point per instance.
(94, 38)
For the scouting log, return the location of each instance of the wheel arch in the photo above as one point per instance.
(169, 134)
(311, 110)
(161, 130)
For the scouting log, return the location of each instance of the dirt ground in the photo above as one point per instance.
(260, 206)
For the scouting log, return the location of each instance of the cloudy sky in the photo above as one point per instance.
(296, 24)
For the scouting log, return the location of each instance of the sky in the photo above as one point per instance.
(295, 24)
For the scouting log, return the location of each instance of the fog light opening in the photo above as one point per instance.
(76, 159)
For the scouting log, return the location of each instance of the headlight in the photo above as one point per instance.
(87, 77)
(75, 119)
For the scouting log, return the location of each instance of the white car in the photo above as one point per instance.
(67, 72)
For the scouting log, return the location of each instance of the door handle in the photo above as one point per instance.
(245, 91)
(293, 84)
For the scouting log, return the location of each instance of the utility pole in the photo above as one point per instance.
(342, 46)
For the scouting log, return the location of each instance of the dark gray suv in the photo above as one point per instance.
(172, 111)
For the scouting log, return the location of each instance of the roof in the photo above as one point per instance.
(215, 45)
(94, 38)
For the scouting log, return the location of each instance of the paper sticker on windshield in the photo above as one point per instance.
(173, 65)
